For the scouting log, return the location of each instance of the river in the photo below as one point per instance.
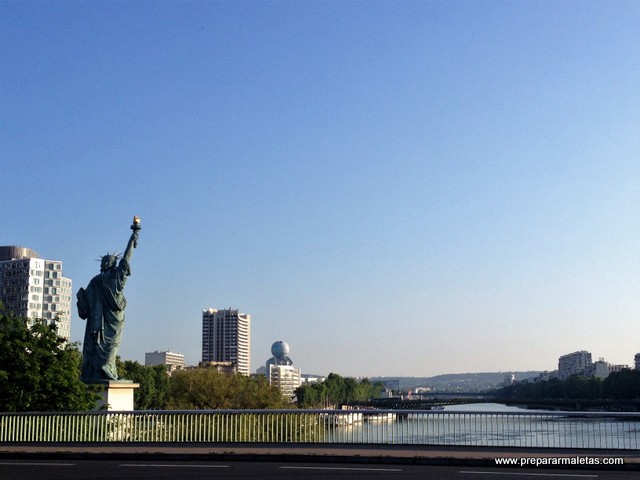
(491, 424)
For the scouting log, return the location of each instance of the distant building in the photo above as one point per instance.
(576, 363)
(636, 361)
(509, 379)
(309, 379)
(422, 390)
(228, 368)
(617, 368)
(541, 377)
(32, 287)
(280, 370)
(279, 351)
(599, 369)
(226, 338)
(173, 361)
(286, 378)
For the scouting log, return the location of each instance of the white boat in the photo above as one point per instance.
(379, 417)
(350, 418)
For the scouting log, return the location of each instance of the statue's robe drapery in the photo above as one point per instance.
(105, 321)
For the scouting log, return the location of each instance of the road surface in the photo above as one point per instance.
(21, 469)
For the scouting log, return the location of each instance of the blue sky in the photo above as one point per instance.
(393, 188)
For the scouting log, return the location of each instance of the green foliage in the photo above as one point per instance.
(206, 388)
(154, 384)
(38, 370)
(336, 390)
(622, 385)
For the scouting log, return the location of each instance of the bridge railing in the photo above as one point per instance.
(375, 427)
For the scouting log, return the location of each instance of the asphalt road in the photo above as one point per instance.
(20, 469)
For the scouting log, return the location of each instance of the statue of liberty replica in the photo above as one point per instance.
(102, 305)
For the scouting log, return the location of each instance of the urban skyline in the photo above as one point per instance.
(397, 189)
(225, 333)
(566, 365)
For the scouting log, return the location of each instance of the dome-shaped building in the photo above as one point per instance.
(279, 350)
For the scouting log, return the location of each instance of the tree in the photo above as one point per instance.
(39, 371)
(336, 390)
(154, 384)
(622, 385)
(206, 388)
(576, 387)
(310, 396)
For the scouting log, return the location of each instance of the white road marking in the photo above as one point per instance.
(162, 465)
(358, 469)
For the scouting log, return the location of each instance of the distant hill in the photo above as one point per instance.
(454, 382)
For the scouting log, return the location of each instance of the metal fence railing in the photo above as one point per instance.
(376, 427)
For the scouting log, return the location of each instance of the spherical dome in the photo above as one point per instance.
(279, 349)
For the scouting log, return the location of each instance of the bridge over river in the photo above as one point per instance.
(426, 402)
(433, 401)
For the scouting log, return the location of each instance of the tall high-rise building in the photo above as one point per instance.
(32, 287)
(226, 338)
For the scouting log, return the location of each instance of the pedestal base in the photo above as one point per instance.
(117, 396)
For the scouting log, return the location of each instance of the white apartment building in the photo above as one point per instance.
(226, 337)
(280, 370)
(576, 363)
(174, 361)
(32, 287)
(599, 369)
(286, 378)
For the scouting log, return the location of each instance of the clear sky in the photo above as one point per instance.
(392, 187)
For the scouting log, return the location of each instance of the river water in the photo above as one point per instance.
(487, 424)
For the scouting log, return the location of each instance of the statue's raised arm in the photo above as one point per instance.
(133, 240)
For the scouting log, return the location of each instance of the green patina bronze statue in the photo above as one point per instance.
(102, 305)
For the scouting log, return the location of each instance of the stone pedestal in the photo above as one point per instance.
(117, 395)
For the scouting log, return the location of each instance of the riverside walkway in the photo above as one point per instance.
(374, 454)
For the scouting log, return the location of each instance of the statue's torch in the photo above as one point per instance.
(135, 226)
